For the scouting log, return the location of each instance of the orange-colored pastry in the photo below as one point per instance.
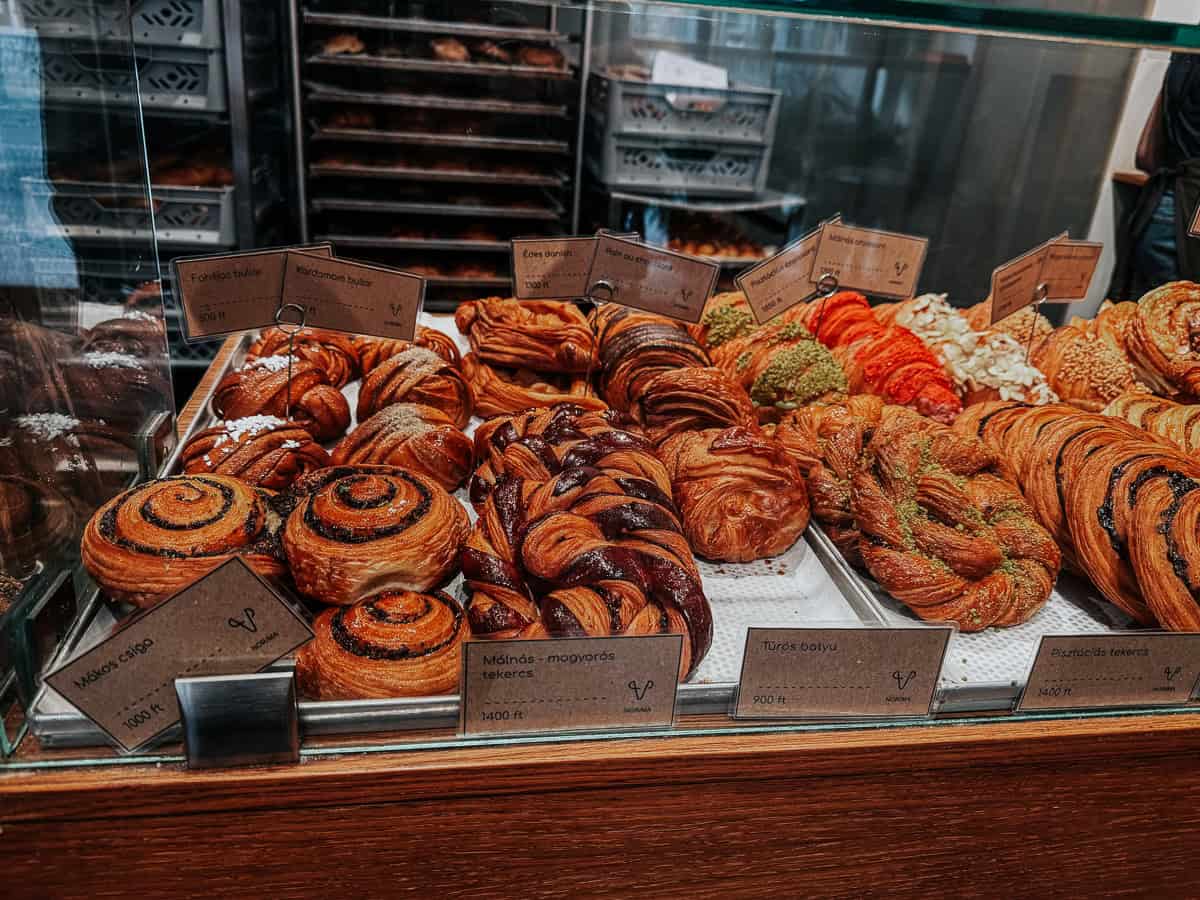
(330, 351)
(260, 388)
(36, 522)
(542, 57)
(417, 375)
(343, 43)
(741, 496)
(392, 644)
(541, 335)
(414, 437)
(353, 531)
(691, 400)
(449, 49)
(943, 534)
(499, 391)
(1163, 339)
(155, 539)
(634, 346)
(264, 451)
(372, 350)
(1176, 422)
(1083, 369)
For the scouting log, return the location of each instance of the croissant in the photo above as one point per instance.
(584, 554)
(943, 534)
(392, 644)
(633, 346)
(417, 375)
(261, 450)
(782, 367)
(414, 437)
(1175, 422)
(353, 531)
(726, 316)
(682, 400)
(330, 351)
(155, 539)
(372, 350)
(1163, 339)
(540, 335)
(1084, 370)
(260, 388)
(742, 498)
(1111, 324)
(36, 521)
(500, 391)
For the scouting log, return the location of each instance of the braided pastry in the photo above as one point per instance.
(155, 539)
(1163, 339)
(141, 336)
(392, 644)
(944, 535)
(690, 400)
(260, 388)
(417, 375)
(353, 531)
(541, 335)
(501, 391)
(1084, 370)
(742, 498)
(331, 351)
(116, 387)
(633, 346)
(588, 553)
(36, 521)
(264, 451)
(414, 437)
(373, 350)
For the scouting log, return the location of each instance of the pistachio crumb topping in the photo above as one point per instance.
(725, 323)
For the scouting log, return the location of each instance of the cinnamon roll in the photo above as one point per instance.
(36, 522)
(742, 498)
(392, 644)
(413, 437)
(1163, 339)
(539, 335)
(372, 350)
(353, 531)
(260, 388)
(330, 351)
(154, 539)
(633, 346)
(499, 391)
(417, 375)
(691, 400)
(264, 451)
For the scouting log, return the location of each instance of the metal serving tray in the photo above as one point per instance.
(388, 243)
(324, 93)
(428, 139)
(551, 212)
(439, 67)
(553, 180)
(435, 26)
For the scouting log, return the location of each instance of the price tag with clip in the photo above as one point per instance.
(880, 263)
(650, 278)
(784, 280)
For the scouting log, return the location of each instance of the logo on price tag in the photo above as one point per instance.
(882, 263)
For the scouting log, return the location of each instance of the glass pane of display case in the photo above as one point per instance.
(582, 466)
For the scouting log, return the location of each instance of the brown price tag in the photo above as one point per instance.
(551, 268)
(650, 278)
(232, 292)
(228, 622)
(1106, 670)
(883, 263)
(356, 297)
(569, 684)
(800, 673)
(1068, 269)
(781, 281)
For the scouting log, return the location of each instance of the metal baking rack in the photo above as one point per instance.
(429, 139)
(439, 66)
(417, 25)
(390, 243)
(550, 212)
(324, 93)
(464, 176)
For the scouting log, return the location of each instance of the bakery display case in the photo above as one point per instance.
(745, 492)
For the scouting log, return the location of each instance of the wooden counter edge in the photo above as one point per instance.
(346, 778)
(195, 403)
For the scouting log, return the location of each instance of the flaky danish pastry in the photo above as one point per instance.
(392, 644)
(36, 521)
(539, 335)
(499, 391)
(264, 451)
(690, 400)
(260, 388)
(155, 539)
(353, 531)
(634, 346)
(1163, 339)
(373, 350)
(331, 351)
(414, 437)
(417, 375)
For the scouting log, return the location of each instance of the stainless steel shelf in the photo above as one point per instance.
(426, 139)
(339, 204)
(389, 243)
(416, 25)
(324, 93)
(463, 176)
(765, 200)
(438, 67)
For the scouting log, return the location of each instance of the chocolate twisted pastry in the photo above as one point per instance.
(539, 335)
(1163, 339)
(633, 346)
(943, 534)
(264, 451)
(36, 521)
(353, 531)
(539, 443)
(154, 539)
(330, 351)
(588, 553)
(413, 437)
(372, 350)
(392, 644)
(499, 391)
(141, 335)
(417, 375)
(741, 496)
(691, 400)
(260, 388)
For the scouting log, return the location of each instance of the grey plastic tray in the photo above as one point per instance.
(639, 162)
(168, 23)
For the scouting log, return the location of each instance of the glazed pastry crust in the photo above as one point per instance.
(414, 437)
(691, 400)
(270, 453)
(331, 351)
(500, 391)
(1163, 339)
(417, 375)
(262, 390)
(540, 335)
(633, 347)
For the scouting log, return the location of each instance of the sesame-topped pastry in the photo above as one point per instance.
(1024, 326)
(265, 451)
(1084, 369)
